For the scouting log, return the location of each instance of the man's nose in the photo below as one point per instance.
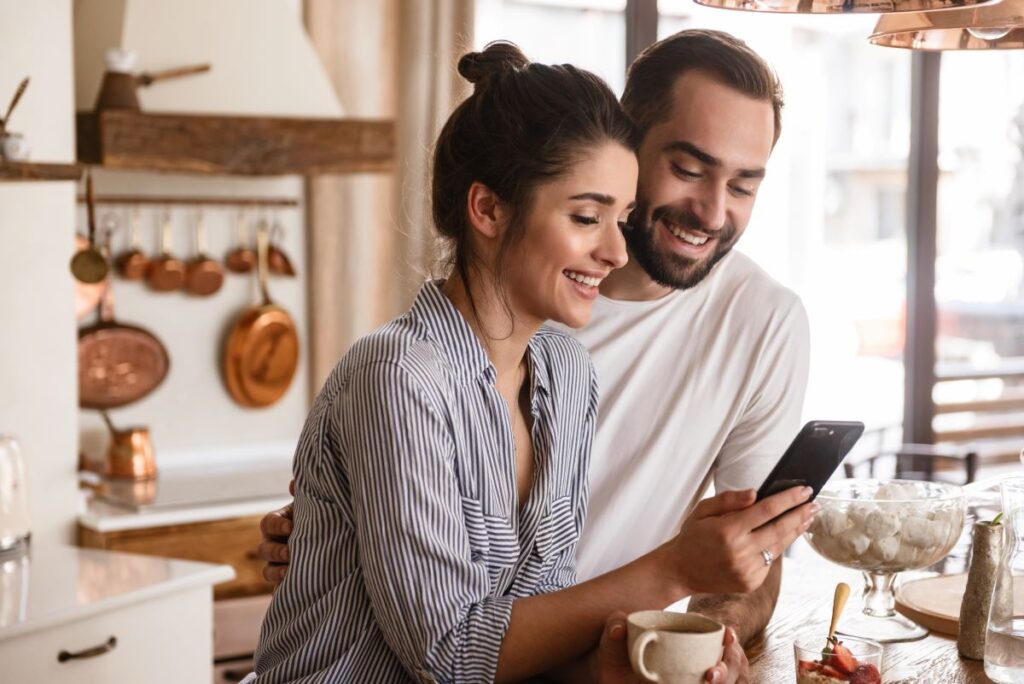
(709, 206)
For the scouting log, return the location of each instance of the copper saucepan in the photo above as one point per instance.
(117, 364)
(261, 354)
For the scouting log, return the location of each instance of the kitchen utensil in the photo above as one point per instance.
(14, 524)
(130, 454)
(117, 363)
(204, 275)
(241, 258)
(883, 529)
(87, 295)
(119, 87)
(13, 146)
(89, 265)
(261, 354)
(838, 603)
(166, 273)
(935, 601)
(132, 263)
(278, 261)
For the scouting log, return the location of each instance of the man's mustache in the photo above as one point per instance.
(687, 220)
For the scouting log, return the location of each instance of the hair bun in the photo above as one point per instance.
(498, 57)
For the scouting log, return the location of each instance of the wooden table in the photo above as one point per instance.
(805, 606)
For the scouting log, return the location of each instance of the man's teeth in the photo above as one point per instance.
(687, 237)
(582, 279)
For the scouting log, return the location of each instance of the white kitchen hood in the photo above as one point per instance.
(263, 62)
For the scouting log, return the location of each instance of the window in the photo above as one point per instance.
(830, 217)
(587, 33)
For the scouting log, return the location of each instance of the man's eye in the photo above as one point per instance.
(683, 173)
(742, 192)
(585, 220)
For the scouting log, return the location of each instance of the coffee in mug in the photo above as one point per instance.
(673, 648)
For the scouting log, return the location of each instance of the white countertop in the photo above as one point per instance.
(198, 493)
(56, 584)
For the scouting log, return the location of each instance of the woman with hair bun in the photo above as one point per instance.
(441, 475)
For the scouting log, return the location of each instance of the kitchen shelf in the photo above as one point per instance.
(234, 145)
(36, 171)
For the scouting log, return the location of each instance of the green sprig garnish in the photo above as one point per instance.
(998, 520)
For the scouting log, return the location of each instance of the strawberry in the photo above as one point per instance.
(842, 659)
(866, 674)
(829, 671)
(809, 666)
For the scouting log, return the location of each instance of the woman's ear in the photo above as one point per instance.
(486, 211)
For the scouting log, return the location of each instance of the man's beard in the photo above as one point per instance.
(668, 268)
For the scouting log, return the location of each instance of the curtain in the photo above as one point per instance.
(370, 237)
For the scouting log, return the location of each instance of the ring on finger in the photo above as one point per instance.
(767, 556)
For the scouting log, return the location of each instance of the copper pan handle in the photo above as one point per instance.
(262, 249)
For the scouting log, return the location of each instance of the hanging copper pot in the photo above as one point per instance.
(117, 364)
(261, 354)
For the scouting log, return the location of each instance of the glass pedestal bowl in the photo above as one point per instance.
(883, 528)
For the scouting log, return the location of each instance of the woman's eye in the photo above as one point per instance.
(585, 220)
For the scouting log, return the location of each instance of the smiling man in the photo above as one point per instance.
(701, 357)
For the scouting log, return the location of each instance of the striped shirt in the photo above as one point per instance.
(409, 543)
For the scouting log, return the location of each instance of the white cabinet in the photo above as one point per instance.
(121, 618)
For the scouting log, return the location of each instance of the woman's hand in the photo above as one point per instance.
(722, 545)
(734, 668)
(611, 661)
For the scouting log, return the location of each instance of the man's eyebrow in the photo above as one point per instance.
(706, 158)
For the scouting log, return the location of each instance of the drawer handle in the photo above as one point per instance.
(65, 656)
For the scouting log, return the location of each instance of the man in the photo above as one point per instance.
(701, 357)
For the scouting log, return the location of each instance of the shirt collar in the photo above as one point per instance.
(460, 345)
(449, 329)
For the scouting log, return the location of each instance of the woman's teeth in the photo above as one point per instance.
(692, 238)
(582, 279)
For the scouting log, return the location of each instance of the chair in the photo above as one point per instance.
(918, 462)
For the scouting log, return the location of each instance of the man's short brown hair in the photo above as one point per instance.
(647, 98)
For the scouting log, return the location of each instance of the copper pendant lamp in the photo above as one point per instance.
(841, 6)
(994, 26)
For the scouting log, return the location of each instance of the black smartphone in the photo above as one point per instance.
(813, 456)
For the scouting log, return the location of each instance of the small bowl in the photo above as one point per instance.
(808, 649)
(887, 527)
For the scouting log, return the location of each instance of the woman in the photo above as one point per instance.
(441, 473)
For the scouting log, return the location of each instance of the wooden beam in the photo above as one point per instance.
(33, 171)
(641, 27)
(234, 145)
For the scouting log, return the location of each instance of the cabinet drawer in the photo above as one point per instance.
(160, 641)
(228, 542)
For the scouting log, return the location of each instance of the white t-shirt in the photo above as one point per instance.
(702, 385)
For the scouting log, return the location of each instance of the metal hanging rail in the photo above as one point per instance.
(177, 200)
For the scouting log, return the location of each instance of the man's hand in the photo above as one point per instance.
(718, 550)
(275, 528)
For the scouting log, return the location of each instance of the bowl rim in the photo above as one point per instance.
(874, 648)
(954, 492)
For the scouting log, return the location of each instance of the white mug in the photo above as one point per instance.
(14, 147)
(673, 648)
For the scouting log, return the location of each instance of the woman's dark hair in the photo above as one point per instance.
(524, 124)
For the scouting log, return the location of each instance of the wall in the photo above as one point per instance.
(38, 397)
